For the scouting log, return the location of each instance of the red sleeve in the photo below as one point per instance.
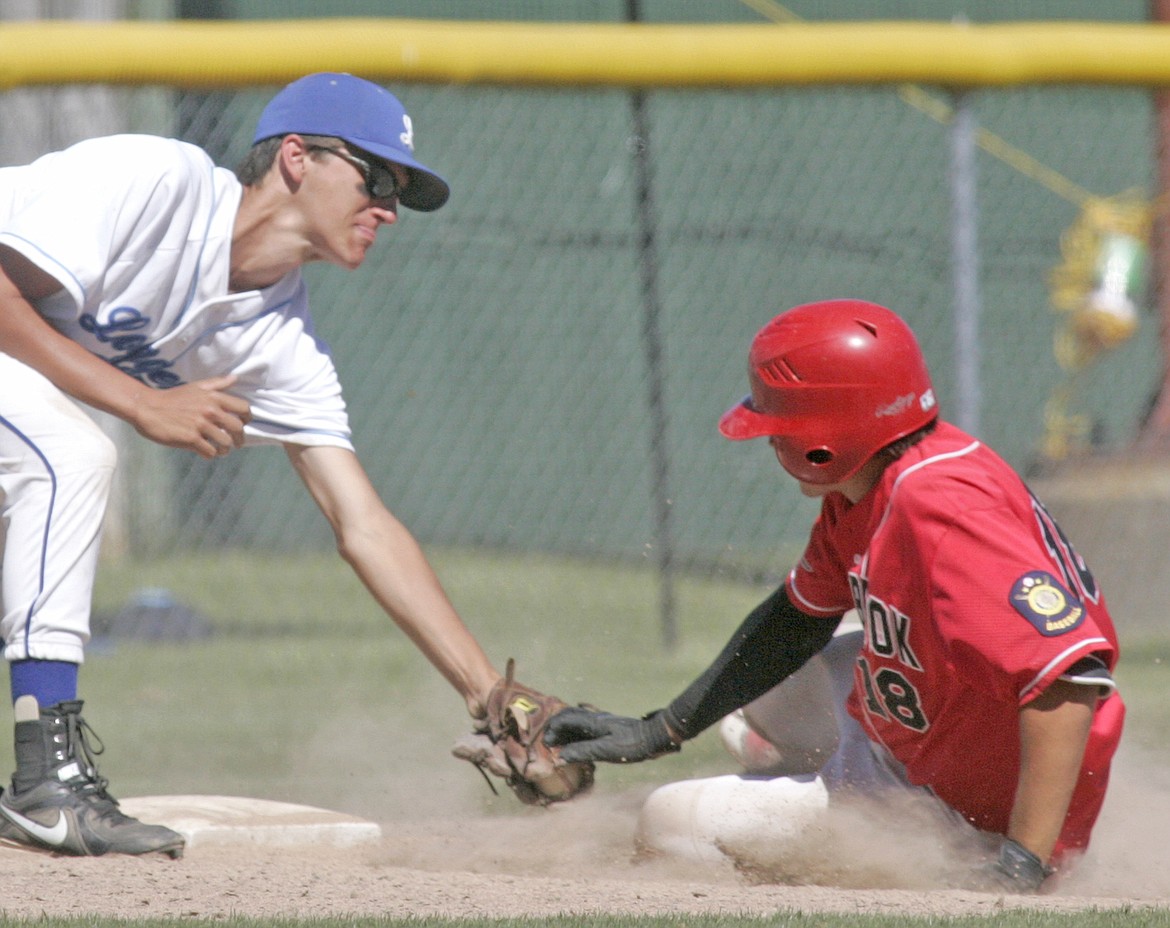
(819, 583)
(1009, 616)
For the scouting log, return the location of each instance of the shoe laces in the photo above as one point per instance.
(80, 734)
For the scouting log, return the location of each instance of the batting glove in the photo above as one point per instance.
(588, 735)
(1016, 870)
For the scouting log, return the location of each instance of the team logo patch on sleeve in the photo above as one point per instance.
(1041, 599)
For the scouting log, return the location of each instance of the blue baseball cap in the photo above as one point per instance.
(361, 113)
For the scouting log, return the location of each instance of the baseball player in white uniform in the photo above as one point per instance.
(142, 280)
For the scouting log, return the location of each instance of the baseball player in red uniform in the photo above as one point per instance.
(138, 277)
(983, 671)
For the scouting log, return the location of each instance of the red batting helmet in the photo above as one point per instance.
(832, 384)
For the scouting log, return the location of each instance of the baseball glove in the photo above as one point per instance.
(509, 743)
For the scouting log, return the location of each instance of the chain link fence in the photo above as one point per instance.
(493, 353)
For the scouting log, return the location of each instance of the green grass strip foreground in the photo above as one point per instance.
(1124, 917)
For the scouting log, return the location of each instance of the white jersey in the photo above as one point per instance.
(138, 231)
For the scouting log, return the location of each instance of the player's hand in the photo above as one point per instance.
(1015, 870)
(201, 417)
(588, 735)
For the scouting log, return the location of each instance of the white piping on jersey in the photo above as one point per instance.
(946, 456)
(1078, 646)
(864, 567)
(295, 430)
(39, 250)
(192, 289)
(865, 558)
(804, 602)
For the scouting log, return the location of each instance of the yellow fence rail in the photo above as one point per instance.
(216, 54)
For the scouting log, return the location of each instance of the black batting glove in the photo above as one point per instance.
(588, 735)
(1016, 870)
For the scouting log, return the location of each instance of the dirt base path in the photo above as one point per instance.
(574, 859)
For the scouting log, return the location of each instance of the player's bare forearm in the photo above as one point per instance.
(1054, 729)
(27, 337)
(199, 417)
(393, 568)
(196, 417)
(389, 561)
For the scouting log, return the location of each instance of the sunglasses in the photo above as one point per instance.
(381, 182)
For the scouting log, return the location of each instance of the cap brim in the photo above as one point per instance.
(426, 192)
(741, 422)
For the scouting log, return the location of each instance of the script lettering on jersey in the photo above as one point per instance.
(136, 357)
(886, 629)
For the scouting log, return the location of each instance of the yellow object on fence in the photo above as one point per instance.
(1102, 278)
(1096, 289)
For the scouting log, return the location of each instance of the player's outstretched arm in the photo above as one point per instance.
(390, 563)
(773, 642)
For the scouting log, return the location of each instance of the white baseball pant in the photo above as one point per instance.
(56, 471)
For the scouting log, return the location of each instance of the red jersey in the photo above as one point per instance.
(973, 602)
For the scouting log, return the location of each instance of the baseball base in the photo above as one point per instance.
(749, 820)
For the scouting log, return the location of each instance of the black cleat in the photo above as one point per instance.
(66, 808)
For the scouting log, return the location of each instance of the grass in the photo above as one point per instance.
(1116, 918)
(306, 693)
(303, 663)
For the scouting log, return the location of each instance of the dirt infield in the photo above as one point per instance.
(222, 884)
(572, 859)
